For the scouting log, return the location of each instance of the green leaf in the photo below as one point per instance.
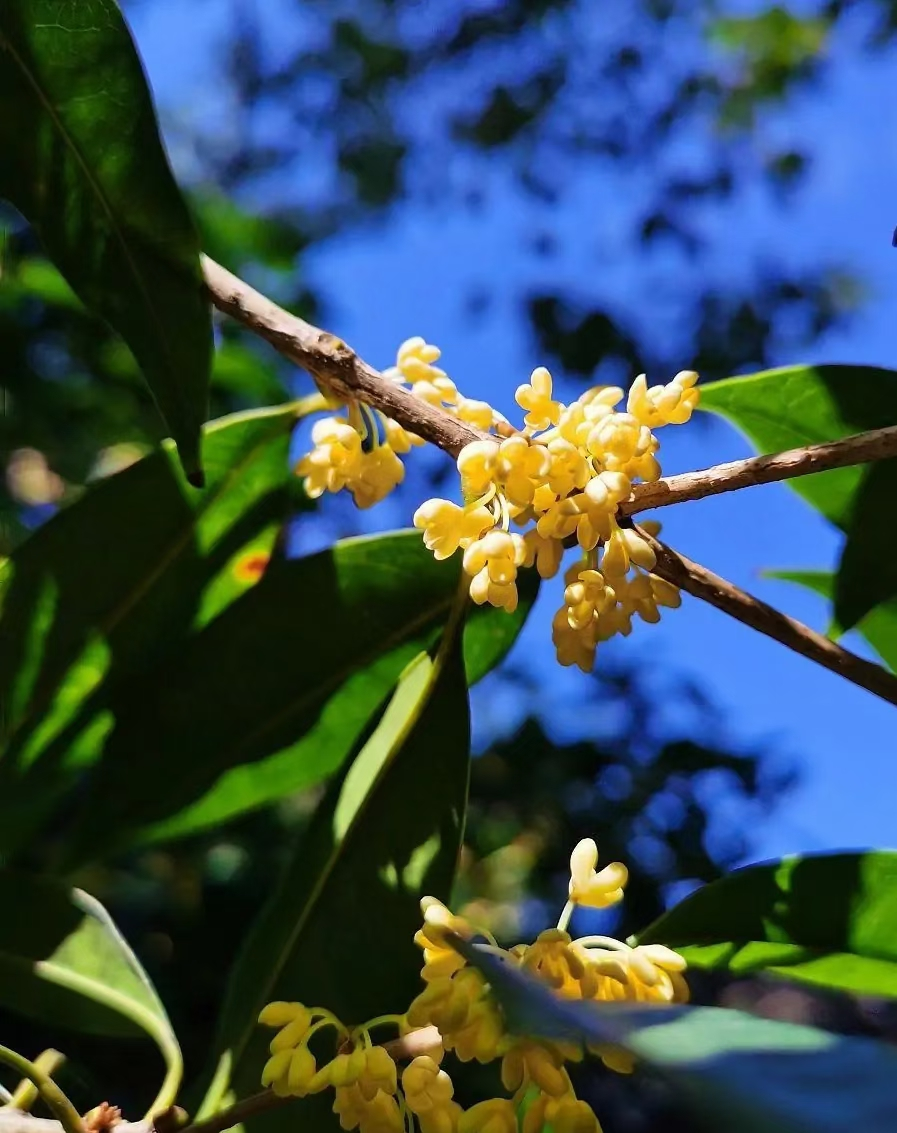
(804, 405)
(488, 635)
(829, 920)
(64, 963)
(114, 584)
(879, 626)
(338, 930)
(735, 1072)
(81, 158)
(256, 680)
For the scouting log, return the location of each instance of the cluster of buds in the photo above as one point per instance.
(372, 1096)
(556, 483)
(562, 479)
(360, 451)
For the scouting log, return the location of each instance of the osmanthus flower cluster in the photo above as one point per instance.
(360, 450)
(374, 1097)
(562, 480)
(558, 482)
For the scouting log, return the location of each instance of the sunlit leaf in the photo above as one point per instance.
(829, 920)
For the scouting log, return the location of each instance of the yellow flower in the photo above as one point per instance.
(572, 646)
(335, 459)
(586, 597)
(655, 973)
(290, 1072)
(439, 391)
(380, 1114)
(536, 398)
(545, 553)
(399, 439)
(570, 1115)
(625, 546)
(492, 563)
(498, 1115)
(618, 440)
(279, 1014)
(476, 464)
(442, 1120)
(614, 1058)
(447, 527)
(378, 473)
(588, 887)
(568, 469)
(671, 404)
(481, 1036)
(479, 414)
(521, 468)
(534, 1062)
(426, 1087)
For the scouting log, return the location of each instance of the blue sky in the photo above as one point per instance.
(379, 293)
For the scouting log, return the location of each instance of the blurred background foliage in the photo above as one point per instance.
(338, 113)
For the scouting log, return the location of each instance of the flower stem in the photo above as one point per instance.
(57, 1102)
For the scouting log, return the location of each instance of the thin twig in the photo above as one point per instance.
(336, 367)
(702, 583)
(331, 362)
(862, 448)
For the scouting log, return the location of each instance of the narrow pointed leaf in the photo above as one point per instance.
(338, 929)
(64, 963)
(82, 160)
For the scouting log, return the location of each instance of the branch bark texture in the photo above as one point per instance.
(702, 583)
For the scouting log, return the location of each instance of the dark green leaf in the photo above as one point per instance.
(829, 920)
(879, 626)
(338, 930)
(64, 963)
(81, 158)
(114, 583)
(488, 635)
(257, 679)
(736, 1073)
(804, 405)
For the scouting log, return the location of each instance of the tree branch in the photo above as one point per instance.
(861, 448)
(336, 367)
(333, 364)
(702, 583)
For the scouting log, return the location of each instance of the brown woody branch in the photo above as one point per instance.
(336, 367)
(702, 583)
(862, 448)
